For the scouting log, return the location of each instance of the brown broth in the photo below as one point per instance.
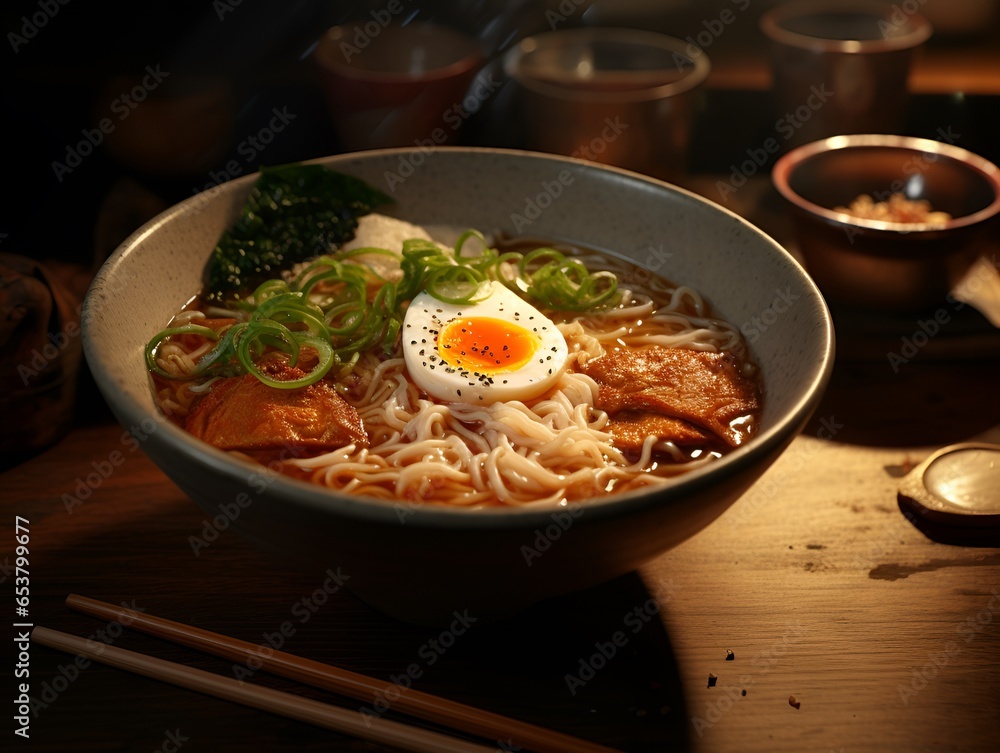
(629, 274)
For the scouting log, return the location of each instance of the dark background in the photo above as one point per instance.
(253, 56)
(231, 64)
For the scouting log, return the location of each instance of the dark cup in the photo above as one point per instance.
(841, 67)
(397, 85)
(622, 97)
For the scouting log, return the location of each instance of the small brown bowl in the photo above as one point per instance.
(875, 263)
(397, 86)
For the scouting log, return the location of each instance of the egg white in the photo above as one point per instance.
(427, 316)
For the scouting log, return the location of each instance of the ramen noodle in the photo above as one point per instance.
(512, 374)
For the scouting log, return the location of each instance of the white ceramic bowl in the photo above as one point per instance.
(424, 565)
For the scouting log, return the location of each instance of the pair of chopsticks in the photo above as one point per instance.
(442, 711)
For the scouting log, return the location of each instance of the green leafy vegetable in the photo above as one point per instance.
(293, 213)
(563, 283)
(331, 308)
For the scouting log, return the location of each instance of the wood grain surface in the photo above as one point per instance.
(815, 581)
(823, 590)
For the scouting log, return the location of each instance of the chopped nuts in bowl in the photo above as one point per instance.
(888, 222)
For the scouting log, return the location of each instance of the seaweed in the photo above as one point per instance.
(293, 213)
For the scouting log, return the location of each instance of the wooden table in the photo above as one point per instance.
(815, 581)
(824, 592)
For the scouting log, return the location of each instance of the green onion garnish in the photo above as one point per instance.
(326, 307)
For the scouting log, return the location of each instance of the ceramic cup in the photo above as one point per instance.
(841, 67)
(397, 85)
(618, 96)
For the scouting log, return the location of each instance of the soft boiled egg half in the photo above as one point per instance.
(499, 348)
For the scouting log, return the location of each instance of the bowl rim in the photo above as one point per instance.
(304, 494)
(688, 50)
(770, 24)
(784, 168)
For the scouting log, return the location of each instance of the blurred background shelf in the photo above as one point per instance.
(971, 71)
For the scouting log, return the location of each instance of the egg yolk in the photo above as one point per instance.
(486, 346)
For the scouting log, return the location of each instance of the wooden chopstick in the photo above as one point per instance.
(255, 696)
(422, 705)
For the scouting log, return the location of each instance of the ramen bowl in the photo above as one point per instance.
(423, 562)
(874, 263)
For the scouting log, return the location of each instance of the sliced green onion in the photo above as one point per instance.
(220, 359)
(278, 336)
(344, 320)
(341, 323)
(484, 260)
(248, 344)
(563, 283)
(391, 333)
(354, 277)
(269, 289)
(458, 285)
(153, 345)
